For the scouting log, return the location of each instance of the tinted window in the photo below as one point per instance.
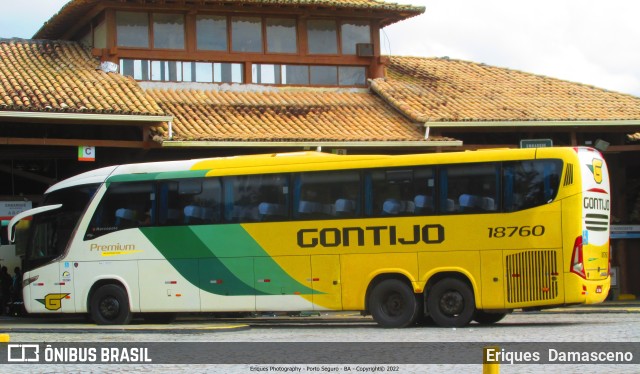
(254, 198)
(469, 188)
(189, 202)
(400, 192)
(330, 194)
(124, 205)
(530, 183)
(51, 231)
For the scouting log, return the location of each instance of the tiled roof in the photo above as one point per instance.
(74, 9)
(58, 76)
(441, 90)
(271, 114)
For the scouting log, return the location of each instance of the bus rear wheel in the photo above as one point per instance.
(110, 306)
(392, 303)
(450, 303)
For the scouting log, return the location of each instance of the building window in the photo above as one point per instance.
(295, 74)
(138, 69)
(324, 75)
(168, 31)
(166, 71)
(246, 34)
(304, 74)
(352, 33)
(132, 29)
(211, 32)
(322, 36)
(351, 76)
(281, 35)
(182, 71)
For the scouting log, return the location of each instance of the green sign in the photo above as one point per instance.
(536, 143)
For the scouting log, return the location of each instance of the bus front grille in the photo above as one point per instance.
(531, 276)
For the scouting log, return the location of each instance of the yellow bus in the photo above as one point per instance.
(444, 238)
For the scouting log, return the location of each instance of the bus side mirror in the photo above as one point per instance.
(27, 213)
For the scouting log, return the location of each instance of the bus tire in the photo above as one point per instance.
(110, 306)
(451, 303)
(393, 304)
(485, 318)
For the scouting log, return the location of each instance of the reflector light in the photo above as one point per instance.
(170, 282)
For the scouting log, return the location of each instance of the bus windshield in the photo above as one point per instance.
(50, 231)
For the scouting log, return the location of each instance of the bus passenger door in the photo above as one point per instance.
(283, 283)
(325, 277)
(226, 285)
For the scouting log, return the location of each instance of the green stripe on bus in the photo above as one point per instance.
(221, 257)
(157, 176)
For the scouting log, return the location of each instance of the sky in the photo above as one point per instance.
(595, 42)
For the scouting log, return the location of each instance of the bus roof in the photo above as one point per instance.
(294, 161)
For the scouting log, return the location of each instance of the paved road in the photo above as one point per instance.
(620, 324)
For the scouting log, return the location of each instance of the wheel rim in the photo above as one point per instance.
(394, 305)
(452, 303)
(109, 307)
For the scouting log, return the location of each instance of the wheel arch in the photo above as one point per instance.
(102, 282)
(457, 274)
(380, 278)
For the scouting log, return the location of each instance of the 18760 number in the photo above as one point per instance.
(511, 231)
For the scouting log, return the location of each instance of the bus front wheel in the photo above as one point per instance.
(450, 303)
(110, 306)
(392, 303)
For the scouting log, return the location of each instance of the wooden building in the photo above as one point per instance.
(142, 80)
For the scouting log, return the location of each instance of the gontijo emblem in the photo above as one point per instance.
(53, 301)
(596, 169)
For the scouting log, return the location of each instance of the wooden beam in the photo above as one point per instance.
(28, 175)
(80, 142)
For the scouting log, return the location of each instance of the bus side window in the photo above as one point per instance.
(470, 188)
(327, 194)
(195, 201)
(254, 198)
(528, 184)
(424, 183)
(125, 205)
(392, 192)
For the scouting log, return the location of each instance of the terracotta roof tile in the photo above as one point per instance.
(58, 76)
(270, 114)
(74, 9)
(439, 89)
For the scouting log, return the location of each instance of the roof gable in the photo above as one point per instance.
(58, 76)
(255, 113)
(58, 24)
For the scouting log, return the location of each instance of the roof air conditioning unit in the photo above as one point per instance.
(364, 49)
